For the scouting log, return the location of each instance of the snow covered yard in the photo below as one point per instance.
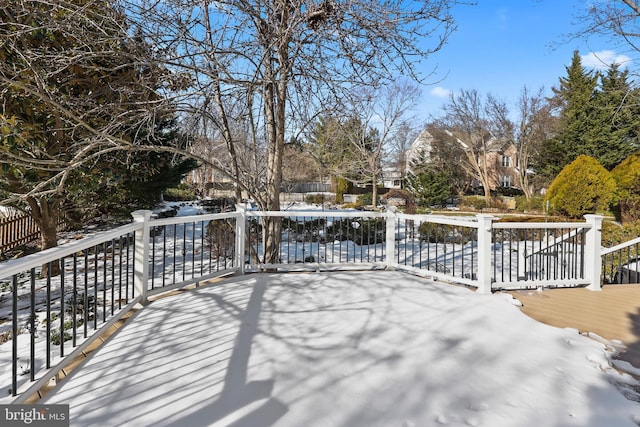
(345, 349)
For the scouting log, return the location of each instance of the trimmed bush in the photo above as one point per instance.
(627, 200)
(582, 187)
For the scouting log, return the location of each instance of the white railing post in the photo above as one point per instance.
(593, 247)
(484, 253)
(141, 256)
(390, 237)
(241, 221)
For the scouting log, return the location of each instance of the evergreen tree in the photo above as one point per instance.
(329, 147)
(345, 149)
(122, 182)
(596, 117)
(574, 97)
(77, 90)
(616, 125)
(429, 187)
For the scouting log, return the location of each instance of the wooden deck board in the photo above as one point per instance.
(613, 313)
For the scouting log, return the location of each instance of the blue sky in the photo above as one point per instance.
(502, 45)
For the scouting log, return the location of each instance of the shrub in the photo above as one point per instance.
(613, 234)
(409, 203)
(534, 204)
(342, 186)
(627, 198)
(475, 202)
(314, 199)
(179, 193)
(582, 187)
(445, 233)
(365, 199)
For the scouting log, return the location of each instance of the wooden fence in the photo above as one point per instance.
(17, 229)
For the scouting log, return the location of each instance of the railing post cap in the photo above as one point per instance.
(141, 215)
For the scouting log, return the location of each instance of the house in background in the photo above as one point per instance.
(504, 164)
(502, 160)
(420, 148)
(391, 177)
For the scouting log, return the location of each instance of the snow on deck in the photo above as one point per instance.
(344, 349)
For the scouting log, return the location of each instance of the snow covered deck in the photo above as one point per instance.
(376, 348)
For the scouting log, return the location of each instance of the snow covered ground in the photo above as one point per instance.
(346, 349)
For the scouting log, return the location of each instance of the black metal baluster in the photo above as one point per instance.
(74, 300)
(104, 281)
(113, 276)
(153, 258)
(62, 275)
(48, 308)
(32, 326)
(14, 337)
(85, 301)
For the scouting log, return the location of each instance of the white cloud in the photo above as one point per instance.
(603, 59)
(440, 92)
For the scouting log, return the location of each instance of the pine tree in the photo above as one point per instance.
(596, 117)
(616, 125)
(575, 99)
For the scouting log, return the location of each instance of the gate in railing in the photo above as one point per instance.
(52, 319)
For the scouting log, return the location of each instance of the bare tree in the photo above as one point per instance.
(381, 119)
(478, 126)
(401, 145)
(287, 61)
(283, 61)
(534, 125)
(618, 19)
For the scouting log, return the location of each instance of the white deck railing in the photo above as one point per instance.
(104, 275)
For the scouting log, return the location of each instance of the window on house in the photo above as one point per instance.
(505, 181)
(506, 161)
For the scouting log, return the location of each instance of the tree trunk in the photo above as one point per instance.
(46, 213)
(374, 191)
(485, 176)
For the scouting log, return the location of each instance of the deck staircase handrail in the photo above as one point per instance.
(557, 241)
(624, 245)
